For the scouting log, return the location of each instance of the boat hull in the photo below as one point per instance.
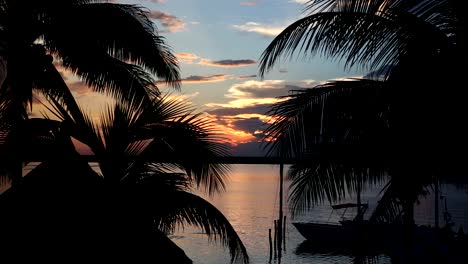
(349, 233)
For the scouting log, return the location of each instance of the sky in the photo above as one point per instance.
(218, 44)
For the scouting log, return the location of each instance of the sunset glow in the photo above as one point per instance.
(218, 55)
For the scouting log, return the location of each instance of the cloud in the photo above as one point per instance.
(300, 1)
(266, 89)
(250, 125)
(248, 3)
(283, 71)
(258, 28)
(205, 79)
(181, 98)
(246, 113)
(159, 1)
(170, 22)
(248, 102)
(195, 79)
(227, 63)
(251, 111)
(247, 76)
(252, 92)
(190, 58)
(243, 119)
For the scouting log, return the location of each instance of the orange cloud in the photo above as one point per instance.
(186, 57)
(244, 118)
(247, 102)
(230, 134)
(170, 22)
(252, 92)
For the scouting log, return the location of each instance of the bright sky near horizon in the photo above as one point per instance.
(218, 44)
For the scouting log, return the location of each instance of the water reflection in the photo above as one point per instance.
(250, 204)
(354, 253)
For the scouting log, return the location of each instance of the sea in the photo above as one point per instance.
(250, 203)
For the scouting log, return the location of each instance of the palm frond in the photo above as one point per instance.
(335, 113)
(372, 33)
(388, 209)
(50, 83)
(79, 125)
(183, 207)
(190, 143)
(313, 183)
(115, 33)
(119, 79)
(373, 42)
(168, 130)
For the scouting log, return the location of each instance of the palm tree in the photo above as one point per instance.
(151, 156)
(335, 132)
(402, 43)
(112, 47)
(339, 133)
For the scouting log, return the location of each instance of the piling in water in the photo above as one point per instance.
(284, 233)
(274, 240)
(270, 243)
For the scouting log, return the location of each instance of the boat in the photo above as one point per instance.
(346, 231)
(356, 232)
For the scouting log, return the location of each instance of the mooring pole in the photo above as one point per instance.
(270, 243)
(275, 237)
(280, 220)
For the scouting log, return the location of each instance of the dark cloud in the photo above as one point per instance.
(249, 125)
(247, 76)
(170, 22)
(229, 63)
(257, 109)
(283, 71)
(208, 78)
(259, 92)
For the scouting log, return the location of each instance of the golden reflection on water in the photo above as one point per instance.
(251, 204)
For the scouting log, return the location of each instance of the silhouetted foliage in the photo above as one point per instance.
(407, 122)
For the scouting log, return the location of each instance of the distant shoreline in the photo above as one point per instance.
(227, 160)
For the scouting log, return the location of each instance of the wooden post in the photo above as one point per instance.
(284, 233)
(274, 239)
(270, 243)
(280, 220)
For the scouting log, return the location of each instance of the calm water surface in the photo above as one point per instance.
(250, 204)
